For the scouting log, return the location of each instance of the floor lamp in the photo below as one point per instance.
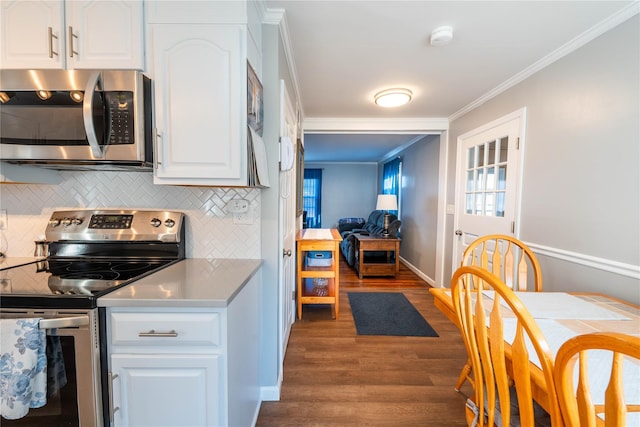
(386, 203)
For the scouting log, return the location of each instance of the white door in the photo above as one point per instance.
(287, 220)
(104, 35)
(488, 181)
(32, 34)
(199, 120)
(152, 390)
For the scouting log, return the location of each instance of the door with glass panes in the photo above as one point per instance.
(488, 181)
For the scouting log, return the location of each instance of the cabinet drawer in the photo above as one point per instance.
(166, 329)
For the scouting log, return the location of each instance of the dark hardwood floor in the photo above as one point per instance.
(333, 377)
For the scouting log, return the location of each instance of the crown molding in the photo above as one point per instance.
(375, 125)
(597, 30)
(279, 17)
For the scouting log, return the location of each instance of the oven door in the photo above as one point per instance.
(73, 364)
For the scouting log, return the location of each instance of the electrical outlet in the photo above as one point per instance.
(237, 206)
(243, 218)
(4, 224)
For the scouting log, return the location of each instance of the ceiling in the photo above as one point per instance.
(346, 51)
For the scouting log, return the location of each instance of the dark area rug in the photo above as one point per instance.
(387, 313)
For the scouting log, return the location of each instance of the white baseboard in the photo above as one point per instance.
(419, 273)
(270, 393)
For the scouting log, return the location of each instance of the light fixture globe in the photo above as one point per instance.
(393, 97)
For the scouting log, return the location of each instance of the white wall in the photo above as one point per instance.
(581, 189)
(348, 190)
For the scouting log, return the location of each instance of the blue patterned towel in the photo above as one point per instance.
(23, 367)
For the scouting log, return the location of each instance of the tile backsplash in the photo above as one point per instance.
(210, 230)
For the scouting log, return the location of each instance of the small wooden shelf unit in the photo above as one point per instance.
(307, 292)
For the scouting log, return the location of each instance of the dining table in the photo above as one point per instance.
(561, 316)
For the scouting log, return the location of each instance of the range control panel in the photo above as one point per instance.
(107, 225)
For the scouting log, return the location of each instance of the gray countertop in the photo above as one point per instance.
(188, 283)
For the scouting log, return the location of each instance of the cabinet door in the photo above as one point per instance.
(32, 34)
(167, 390)
(104, 35)
(200, 104)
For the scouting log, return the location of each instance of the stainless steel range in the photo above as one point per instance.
(90, 253)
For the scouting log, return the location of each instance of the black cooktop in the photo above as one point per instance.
(69, 283)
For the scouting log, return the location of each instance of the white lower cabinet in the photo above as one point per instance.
(167, 367)
(167, 390)
(185, 366)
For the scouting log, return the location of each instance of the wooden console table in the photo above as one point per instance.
(318, 284)
(388, 266)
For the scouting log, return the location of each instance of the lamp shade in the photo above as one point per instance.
(387, 202)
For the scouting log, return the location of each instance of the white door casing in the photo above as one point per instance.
(488, 181)
(287, 223)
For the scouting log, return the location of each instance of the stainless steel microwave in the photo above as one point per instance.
(76, 119)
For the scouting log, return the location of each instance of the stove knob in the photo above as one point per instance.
(76, 221)
(66, 221)
(155, 222)
(54, 222)
(169, 222)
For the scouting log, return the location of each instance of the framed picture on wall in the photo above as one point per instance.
(255, 113)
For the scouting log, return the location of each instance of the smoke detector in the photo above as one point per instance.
(441, 36)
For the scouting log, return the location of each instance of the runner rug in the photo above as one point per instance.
(387, 313)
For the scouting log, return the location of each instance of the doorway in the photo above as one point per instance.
(488, 181)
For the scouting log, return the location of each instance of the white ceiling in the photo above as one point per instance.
(346, 51)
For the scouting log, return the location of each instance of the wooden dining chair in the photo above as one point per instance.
(509, 259)
(486, 344)
(577, 404)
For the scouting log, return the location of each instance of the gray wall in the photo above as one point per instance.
(348, 190)
(419, 210)
(581, 182)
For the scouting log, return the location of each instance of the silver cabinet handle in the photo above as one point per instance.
(156, 155)
(51, 37)
(152, 333)
(112, 409)
(71, 37)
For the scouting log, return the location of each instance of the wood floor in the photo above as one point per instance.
(333, 377)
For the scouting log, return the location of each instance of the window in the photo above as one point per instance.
(486, 178)
(391, 173)
(311, 196)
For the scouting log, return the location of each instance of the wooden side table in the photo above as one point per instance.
(385, 267)
(318, 284)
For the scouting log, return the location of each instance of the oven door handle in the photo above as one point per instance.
(64, 322)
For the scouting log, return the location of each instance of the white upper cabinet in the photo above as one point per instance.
(200, 80)
(71, 34)
(198, 59)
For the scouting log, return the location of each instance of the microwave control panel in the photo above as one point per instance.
(120, 113)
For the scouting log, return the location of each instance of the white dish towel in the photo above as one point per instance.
(23, 367)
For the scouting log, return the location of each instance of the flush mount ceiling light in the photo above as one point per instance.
(441, 36)
(393, 97)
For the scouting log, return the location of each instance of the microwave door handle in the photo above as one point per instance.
(95, 80)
